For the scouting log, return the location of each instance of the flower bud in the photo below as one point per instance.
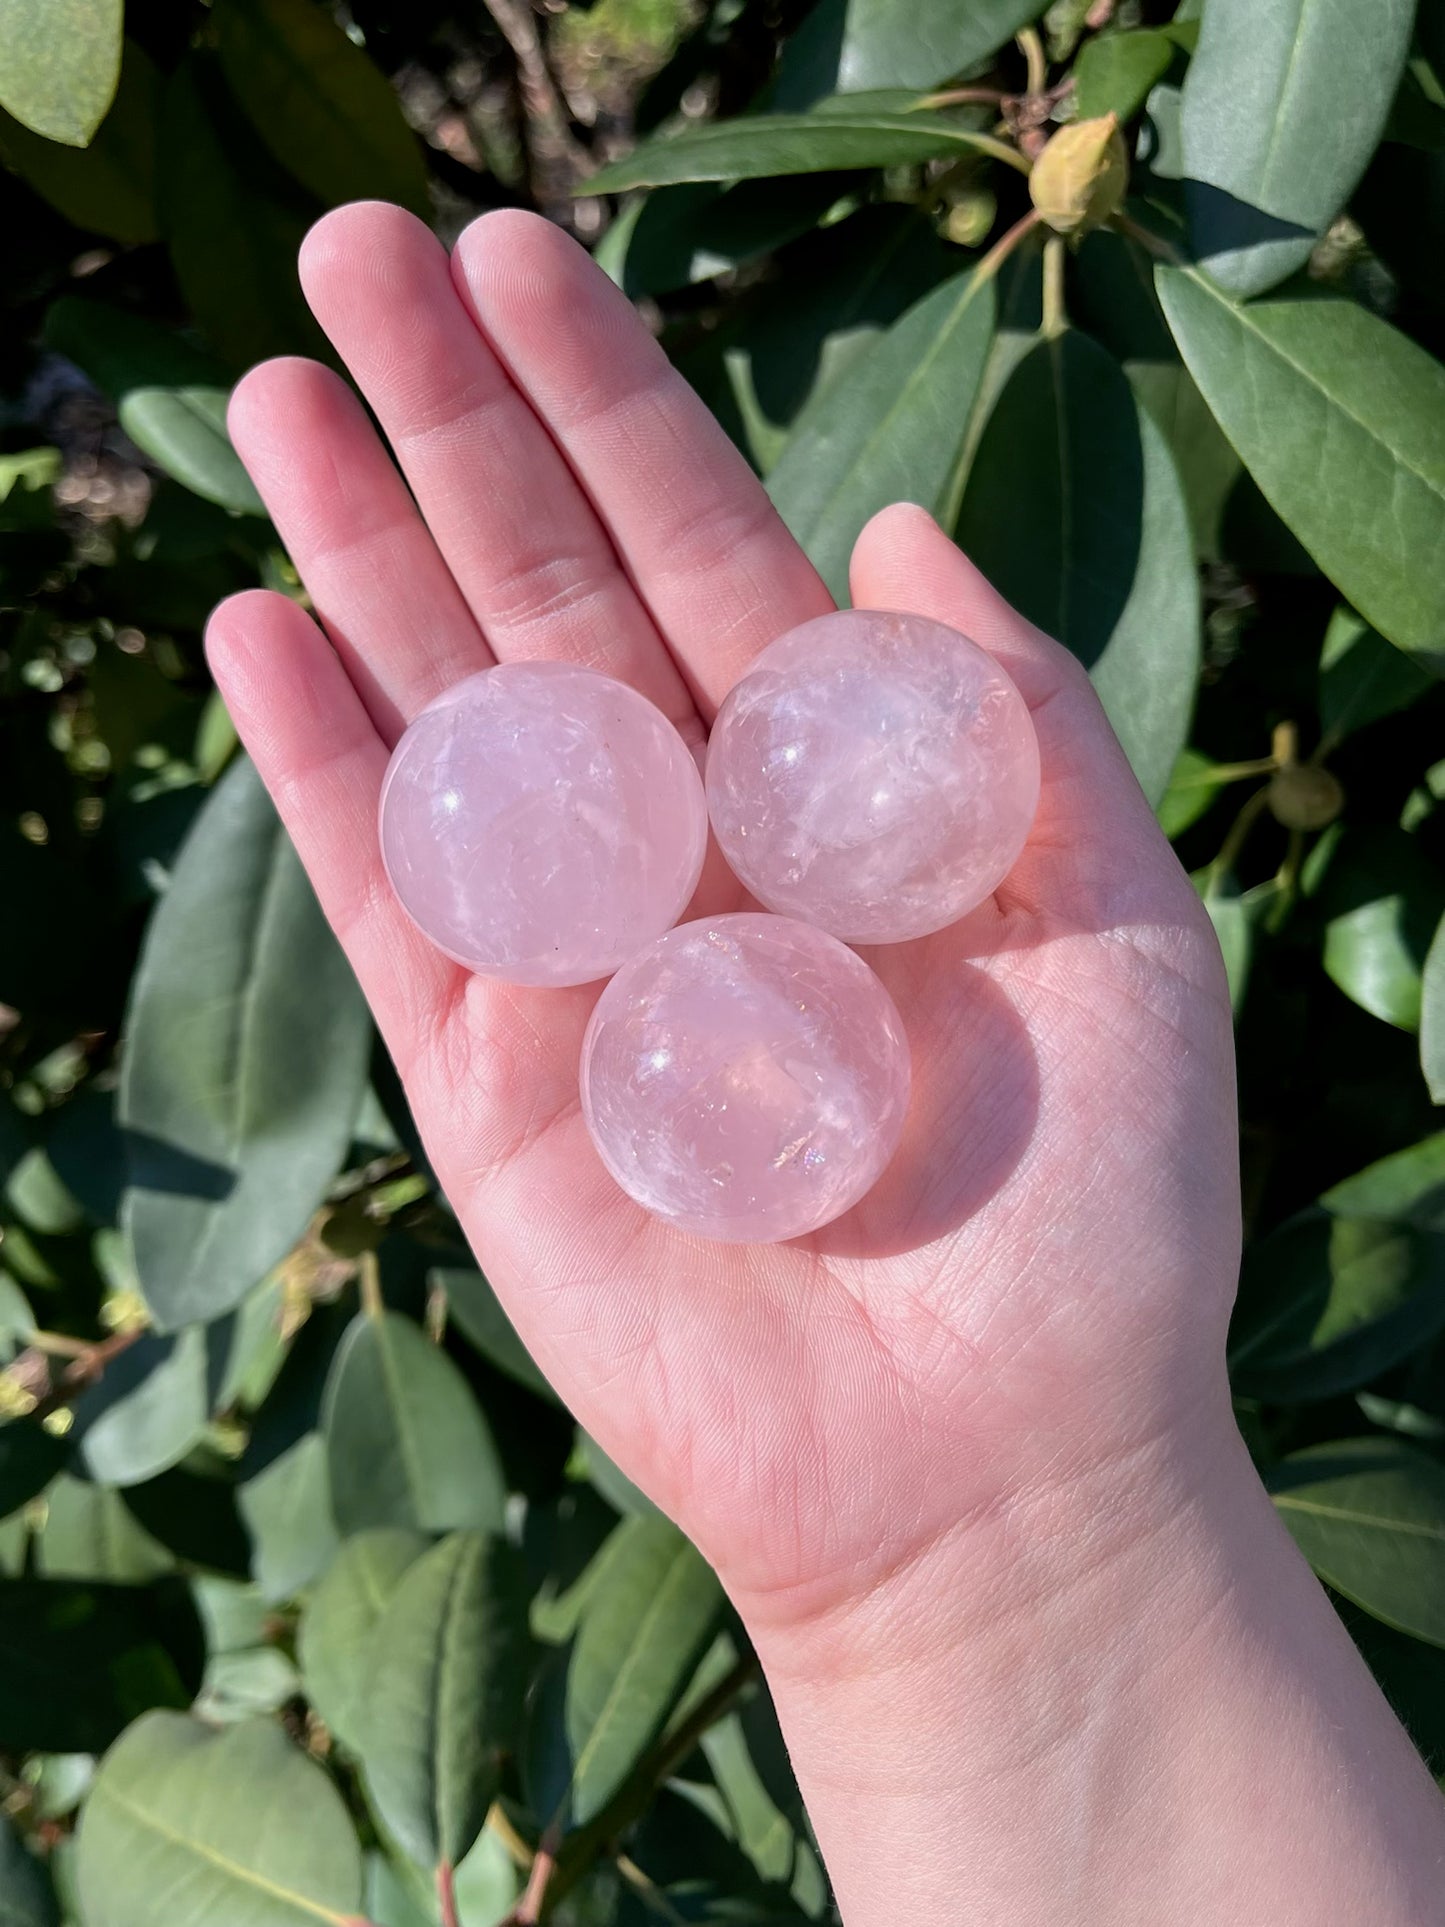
(1079, 179)
(1303, 796)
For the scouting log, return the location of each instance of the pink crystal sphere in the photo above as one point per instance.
(874, 774)
(540, 822)
(745, 1077)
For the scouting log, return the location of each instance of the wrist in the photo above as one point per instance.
(1063, 1711)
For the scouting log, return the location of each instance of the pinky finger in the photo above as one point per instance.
(320, 757)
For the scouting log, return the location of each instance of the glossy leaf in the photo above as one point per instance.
(891, 427)
(315, 98)
(286, 1508)
(241, 1823)
(1382, 898)
(691, 232)
(59, 64)
(406, 1443)
(761, 145)
(1340, 1293)
(148, 1409)
(1074, 510)
(1432, 1015)
(845, 46)
(1369, 1515)
(27, 1893)
(476, 1311)
(648, 1618)
(1193, 787)
(796, 337)
(91, 1533)
(1282, 108)
(446, 1699)
(1115, 72)
(82, 1660)
(246, 1059)
(336, 1640)
(1341, 421)
(171, 398)
(1362, 677)
(108, 187)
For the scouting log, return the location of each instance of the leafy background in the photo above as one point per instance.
(314, 1605)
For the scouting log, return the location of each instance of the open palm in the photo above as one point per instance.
(1038, 1287)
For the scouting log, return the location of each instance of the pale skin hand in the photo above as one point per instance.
(964, 1459)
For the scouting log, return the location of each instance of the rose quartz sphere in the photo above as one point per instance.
(745, 1077)
(873, 774)
(541, 822)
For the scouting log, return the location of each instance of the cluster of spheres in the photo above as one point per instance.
(745, 1076)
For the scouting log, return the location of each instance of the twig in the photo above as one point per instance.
(85, 1371)
(541, 95)
(368, 1272)
(962, 97)
(989, 266)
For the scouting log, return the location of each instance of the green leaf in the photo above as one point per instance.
(59, 64)
(246, 1059)
(147, 1410)
(1283, 107)
(890, 427)
(700, 229)
(1369, 1515)
(849, 45)
(30, 1457)
(1340, 1293)
(170, 397)
(319, 104)
(611, 1481)
(449, 1675)
(335, 1644)
(27, 1894)
(234, 223)
(80, 1660)
(1363, 677)
(91, 1533)
(771, 365)
(286, 1507)
(406, 1442)
(240, 1823)
(1074, 510)
(649, 1616)
(762, 145)
(109, 187)
(1432, 1015)
(1382, 898)
(474, 1308)
(1341, 421)
(1115, 72)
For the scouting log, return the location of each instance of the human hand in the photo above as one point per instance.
(965, 1458)
(1038, 1288)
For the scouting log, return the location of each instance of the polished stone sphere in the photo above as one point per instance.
(745, 1077)
(541, 822)
(873, 774)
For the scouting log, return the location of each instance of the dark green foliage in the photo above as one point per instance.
(270, 1447)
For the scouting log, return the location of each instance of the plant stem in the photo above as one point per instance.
(368, 1273)
(989, 266)
(998, 150)
(962, 97)
(1152, 243)
(1032, 49)
(85, 1370)
(528, 1910)
(1238, 834)
(447, 1894)
(1056, 318)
